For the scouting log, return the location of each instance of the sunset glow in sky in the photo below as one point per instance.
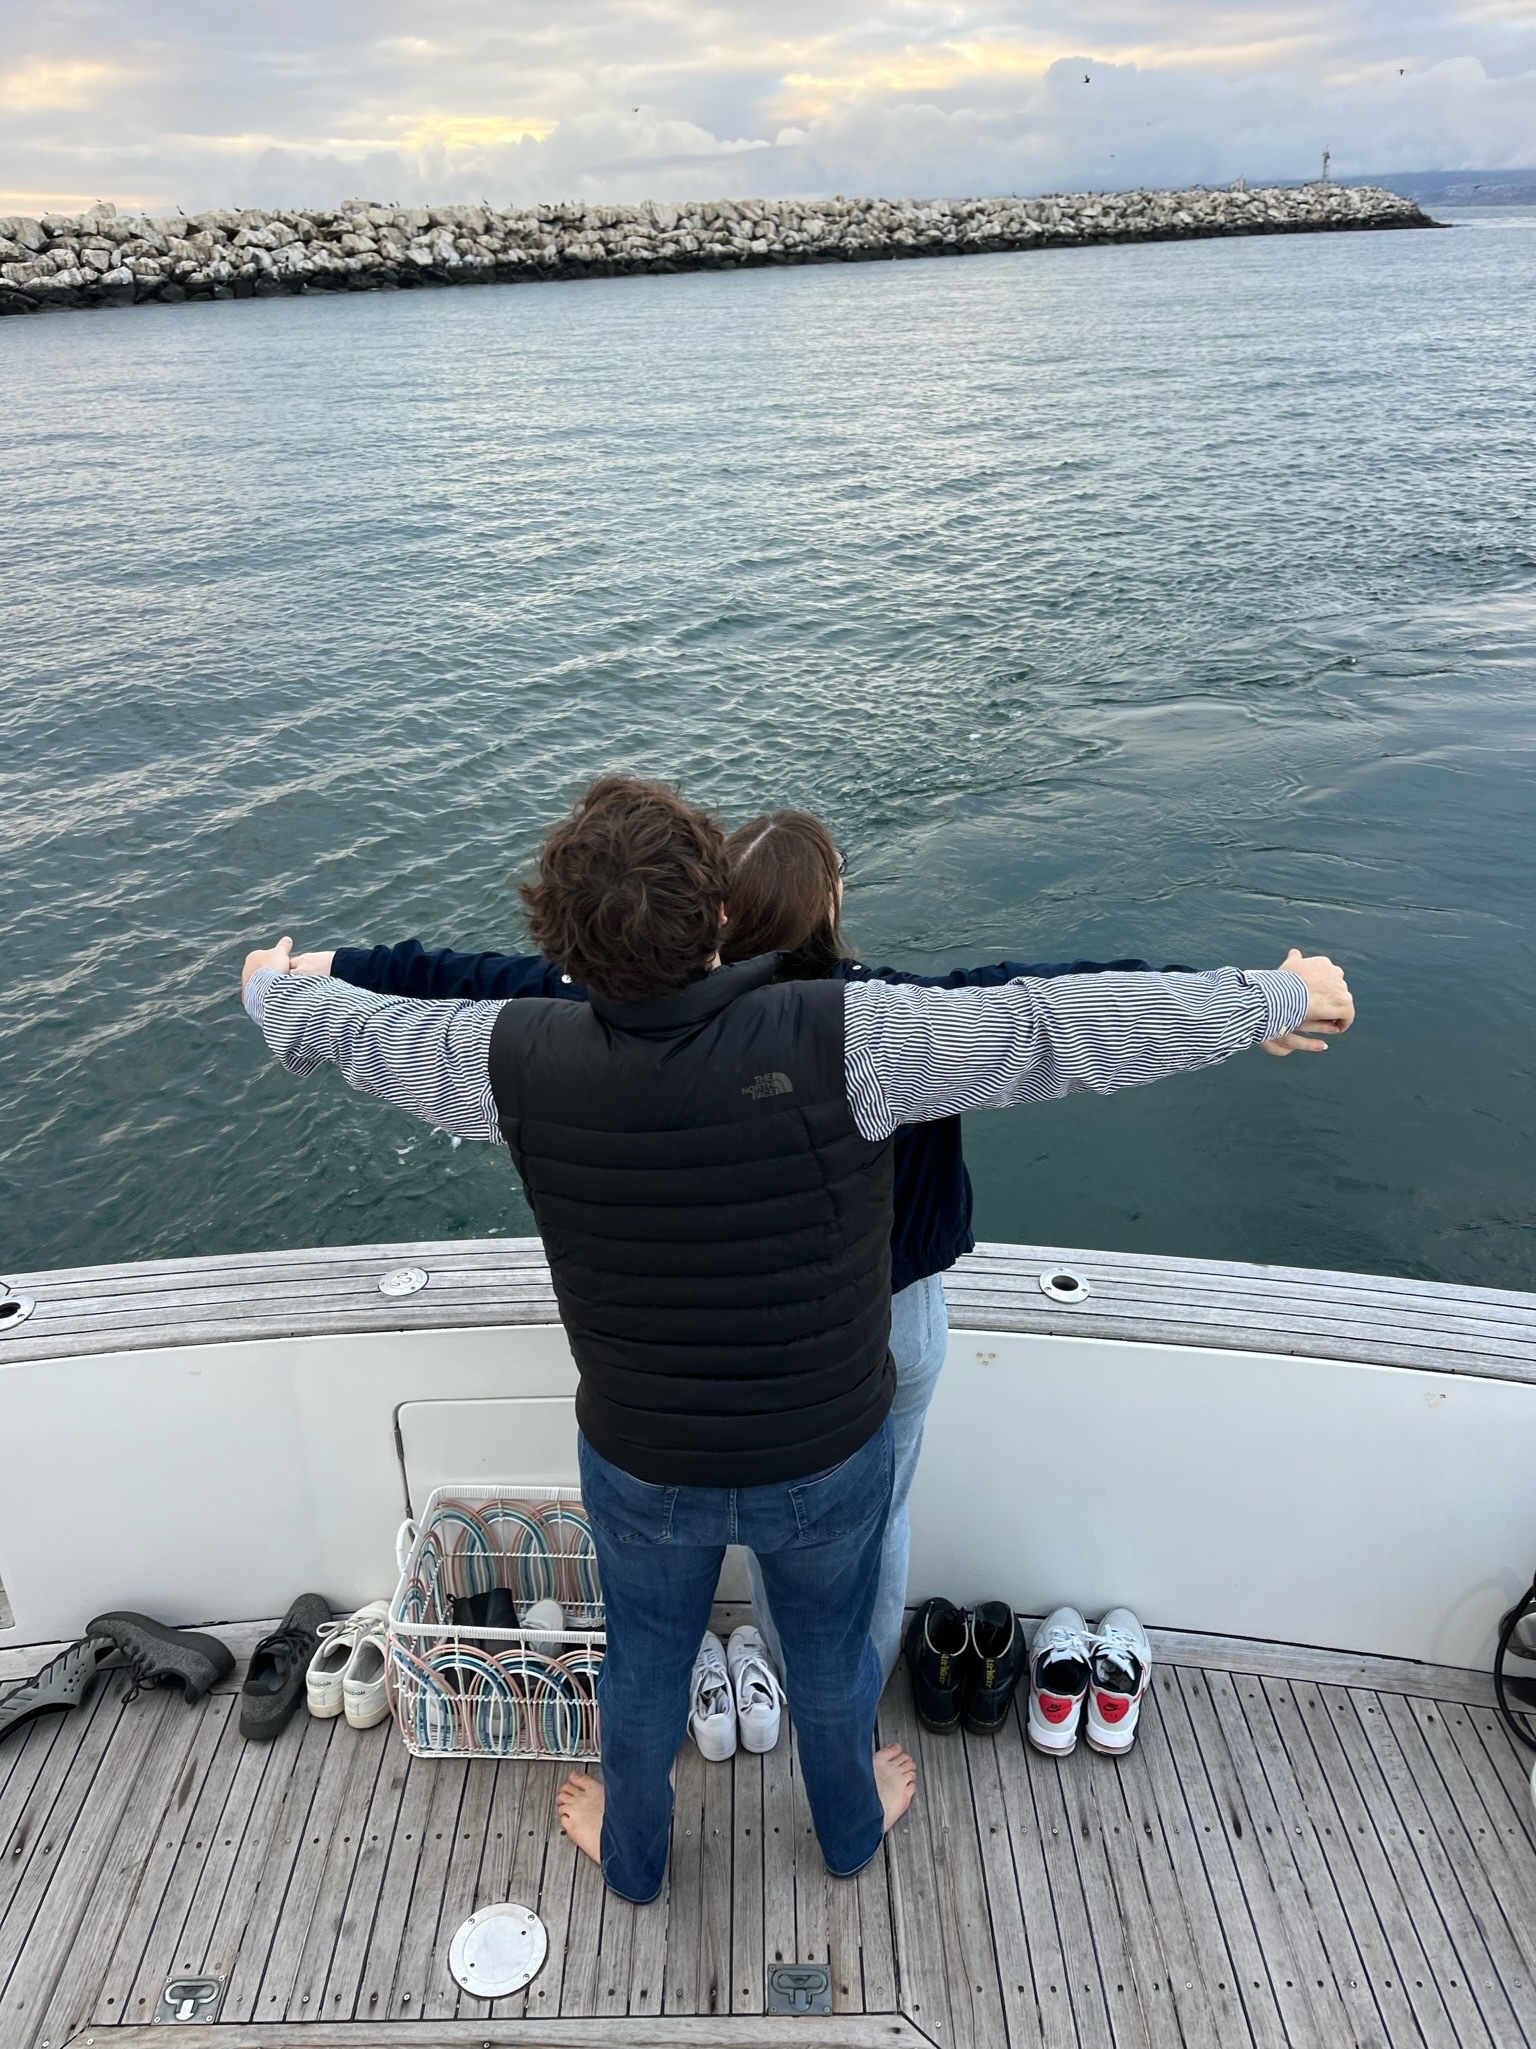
(158, 102)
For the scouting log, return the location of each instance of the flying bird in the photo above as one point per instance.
(1086, 79)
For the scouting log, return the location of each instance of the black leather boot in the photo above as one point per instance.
(159, 1654)
(998, 1662)
(939, 1658)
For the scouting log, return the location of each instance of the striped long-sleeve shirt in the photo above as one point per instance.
(911, 1054)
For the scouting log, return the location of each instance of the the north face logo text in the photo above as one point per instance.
(764, 1085)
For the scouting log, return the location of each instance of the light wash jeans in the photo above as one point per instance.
(919, 1339)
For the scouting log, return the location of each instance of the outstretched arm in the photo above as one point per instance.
(428, 1058)
(996, 973)
(409, 969)
(916, 1054)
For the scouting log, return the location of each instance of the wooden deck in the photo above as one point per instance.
(1301, 1850)
(1438, 1328)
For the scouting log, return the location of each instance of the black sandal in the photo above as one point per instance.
(65, 1682)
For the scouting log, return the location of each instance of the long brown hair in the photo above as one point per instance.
(782, 893)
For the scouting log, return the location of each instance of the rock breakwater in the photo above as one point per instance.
(104, 258)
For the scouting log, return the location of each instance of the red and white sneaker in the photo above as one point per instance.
(1122, 1665)
(1059, 1661)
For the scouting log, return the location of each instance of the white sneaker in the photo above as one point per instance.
(756, 1686)
(711, 1710)
(544, 1615)
(1058, 1682)
(327, 1672)
(1122, 1665)
(362, 1686)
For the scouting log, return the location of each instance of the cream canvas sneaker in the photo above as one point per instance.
(328, 1667)
(362, 1687)
(711, 1706)
(756, 1686)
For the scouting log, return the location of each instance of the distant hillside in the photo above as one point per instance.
(1457, 188)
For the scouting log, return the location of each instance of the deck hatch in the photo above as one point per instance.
(186, 2001)
(800, 1988)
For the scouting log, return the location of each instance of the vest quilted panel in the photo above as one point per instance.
(718, 1231)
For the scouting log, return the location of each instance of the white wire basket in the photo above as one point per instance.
(462, 1688)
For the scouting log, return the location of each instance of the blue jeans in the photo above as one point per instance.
(659, 1552)
(919, 1340)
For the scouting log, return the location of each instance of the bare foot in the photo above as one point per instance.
(579, 1803)
(895, 1782)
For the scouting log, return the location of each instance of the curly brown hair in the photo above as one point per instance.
(628, 890)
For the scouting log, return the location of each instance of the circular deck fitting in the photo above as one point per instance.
(498, 1950)
(1063, 1286)
(14, 1311)
(404, 1280)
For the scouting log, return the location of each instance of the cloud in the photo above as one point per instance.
(167, 101)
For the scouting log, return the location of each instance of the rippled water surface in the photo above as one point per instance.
(1177, 601)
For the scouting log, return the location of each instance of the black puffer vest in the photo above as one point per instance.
(718, 1230)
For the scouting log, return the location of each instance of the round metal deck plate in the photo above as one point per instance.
(1062, 1285)
(404, 1280)
(498, 1950)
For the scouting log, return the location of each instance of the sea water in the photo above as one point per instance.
(1175, 601)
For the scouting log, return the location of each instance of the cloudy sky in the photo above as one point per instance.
(200, 102)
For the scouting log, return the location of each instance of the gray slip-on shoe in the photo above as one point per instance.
(279, 1667)
(159, 1654)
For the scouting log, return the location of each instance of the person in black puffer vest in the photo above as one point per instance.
(785, 895)
(708, 1155)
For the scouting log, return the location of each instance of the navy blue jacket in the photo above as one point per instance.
(933, 1191)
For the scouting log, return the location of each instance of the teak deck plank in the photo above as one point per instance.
(376, 1996)
(975, 1995)
(97, 1892)
(521, 1858)
(293, 1972)
(1488, 1882)
(680, 1993)
(748, 1922)
(1267, 1831)
(66, 1797)
(1226, 1843)
(1413, 1843)
(1202, 1889)
(557, 1888)
(813, 1940)
(170, 1869)
(778, 1855)
(1149, 1903)
(419, 1959)
(1080, 1962)
(1403, 1979)
(290, 1863)
(456, 1898)
(348, 1770)
(921, 1968)
(877, 1954)
(1031, 1972)
(715, 1920)
(492, 1283)
(82, 1907)
(1261, 1759)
